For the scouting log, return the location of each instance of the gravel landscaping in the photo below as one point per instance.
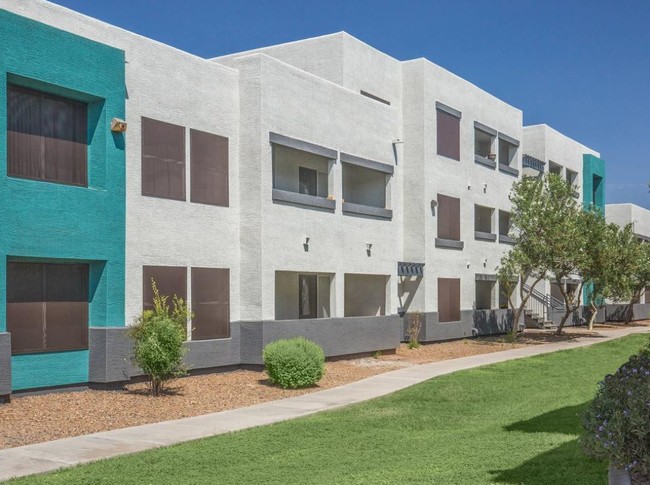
(37, 418)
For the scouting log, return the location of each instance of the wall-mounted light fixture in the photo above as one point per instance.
(305, 245)
(369, 248)
(485, 263)
(434, 204)
(484, 187)
(118, 125)
(469, 185)
(468, 263)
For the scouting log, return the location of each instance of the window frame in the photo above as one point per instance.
(447, 313)
(146, 158)
(218, 166)
(220, 278)
(447, 229)
(79, 108)
(445, 130)
(52, 305)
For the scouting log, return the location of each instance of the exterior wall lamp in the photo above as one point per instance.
(118, 125)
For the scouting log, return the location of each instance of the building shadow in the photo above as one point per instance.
(565, 464)
(566, 420)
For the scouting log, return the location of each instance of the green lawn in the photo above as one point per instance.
(513, 423)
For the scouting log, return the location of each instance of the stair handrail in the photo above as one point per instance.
(551, 301)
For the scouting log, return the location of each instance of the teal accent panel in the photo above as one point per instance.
(44, 221)
(593, 189)
(593, 181)
(31, 371)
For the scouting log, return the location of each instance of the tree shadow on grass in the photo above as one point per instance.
(566, 420)
(564, 464)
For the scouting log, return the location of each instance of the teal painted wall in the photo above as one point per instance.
(593, 192)
(49, 221)
(593, 168)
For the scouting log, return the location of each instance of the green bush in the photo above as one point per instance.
(294, 363)
(158, 336)
(617, 423)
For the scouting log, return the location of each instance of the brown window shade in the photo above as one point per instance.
(163, 160)
(448, 133)
(448, 217)
(448, 300)
(170, 280)
(210, 303)
(46, 137)
(647, 294)
(209, 168)
(307, 296)
(47, 307)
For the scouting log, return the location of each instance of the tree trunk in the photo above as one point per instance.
(592, 316)
(629, 313)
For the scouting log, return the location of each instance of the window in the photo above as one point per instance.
(365, 295)
(484, 144)
(299, 295)
(47, 307)
(484, 294)
(507, 152)
(504, 223)
(448, 299)
(300, 171)
(163, 160)
(208, 168)
(311, 182)
(554, 168)
(210, 303)
(46, 137)
(483, 219)
(448, 218)
(307, 296)
(170, 280)
(448, 134)
(364, 186)
(647, 294)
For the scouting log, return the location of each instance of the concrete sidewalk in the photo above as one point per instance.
(44, 457)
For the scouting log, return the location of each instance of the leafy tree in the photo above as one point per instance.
(543, 220)
(599, 268)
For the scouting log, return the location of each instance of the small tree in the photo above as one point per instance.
(600, 267)
(158, 337)
(543, 209)
(632, 262)
(413, 329)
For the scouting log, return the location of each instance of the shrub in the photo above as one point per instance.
(413, 330)
(294, 363)
(617, 423)
(158, 336)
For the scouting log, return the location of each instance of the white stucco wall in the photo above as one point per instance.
(428, 174)
(169, 85)
(549, 145)
(623, 214)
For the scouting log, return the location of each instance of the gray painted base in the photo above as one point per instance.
(337, 336)
(473, 323)
(618, 477)
(617, 313)
(5, 365)
(208, 354)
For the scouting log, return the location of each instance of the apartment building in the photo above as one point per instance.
(318, 188)
(639, 219)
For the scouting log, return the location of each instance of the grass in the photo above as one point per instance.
(510, 423)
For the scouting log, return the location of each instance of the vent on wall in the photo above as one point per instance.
(372, 96)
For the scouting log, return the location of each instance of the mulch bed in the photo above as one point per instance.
(45, 417)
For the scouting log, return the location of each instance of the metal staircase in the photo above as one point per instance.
(538, 308)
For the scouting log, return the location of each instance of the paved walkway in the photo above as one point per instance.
(44, 457)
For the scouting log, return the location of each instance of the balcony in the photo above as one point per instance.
(365, 187)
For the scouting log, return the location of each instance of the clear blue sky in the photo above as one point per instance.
(582, 67)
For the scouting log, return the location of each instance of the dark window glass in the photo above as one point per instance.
(308, 183)
(163, 160)
(46, 137)
(210, 303)
(448, 217)
(208, 168)
(170, 280)
(448, 135)
(448, 300)
(47, 307)
(307, 296)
